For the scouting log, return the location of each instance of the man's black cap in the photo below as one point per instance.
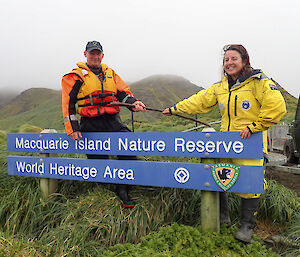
(92, 45)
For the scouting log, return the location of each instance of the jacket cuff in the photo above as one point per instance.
(72, 126)
(130, 100)
(173, 109)
(252, 127)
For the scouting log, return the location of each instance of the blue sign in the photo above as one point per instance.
(162, 174)
(192, 144)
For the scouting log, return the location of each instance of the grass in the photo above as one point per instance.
(86, 219)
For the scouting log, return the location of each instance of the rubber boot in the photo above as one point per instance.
(249, 209)
(122, 192)
(224, 210)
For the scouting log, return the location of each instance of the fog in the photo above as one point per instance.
(43, 40)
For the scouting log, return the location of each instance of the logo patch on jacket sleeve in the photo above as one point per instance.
(246, 105)
(225, 174)
(273, 87)
(109, 76)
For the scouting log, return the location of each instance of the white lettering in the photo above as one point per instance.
(218, 146)
(121, 174)
(227, 147)
(57, 144)
(72, 170)
(210, 146)
(129, 174)
(92, 145)
(118, 173)
(238, 147)
(30, 167)
(123, 144)
(107, 172)
(19, 144)
(179, 142)
(141, 145)
(200, 146)
(161, 145)
(190, 146)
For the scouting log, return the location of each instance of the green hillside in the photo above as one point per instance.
(291, 104)
(162, 91)
(28, 100)
(41, 107)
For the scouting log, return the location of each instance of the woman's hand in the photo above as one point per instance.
(166, 112)
(245, 133)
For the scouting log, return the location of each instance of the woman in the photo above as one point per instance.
(249, 102)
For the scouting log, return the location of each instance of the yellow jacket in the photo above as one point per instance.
(255, 102)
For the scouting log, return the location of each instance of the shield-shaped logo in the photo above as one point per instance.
(225, 174)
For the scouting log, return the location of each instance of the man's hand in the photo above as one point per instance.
(139, 107)
(75, 135)
(245, 133)
(166, 112)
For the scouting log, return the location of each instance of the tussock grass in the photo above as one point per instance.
(84, 219)
(2, 137)
(17, 246)
(27, 128)
(279, 203)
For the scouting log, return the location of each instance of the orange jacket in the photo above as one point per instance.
(92, 94)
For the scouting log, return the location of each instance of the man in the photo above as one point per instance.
(93, 86)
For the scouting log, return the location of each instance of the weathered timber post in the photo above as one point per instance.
(210, 207)
(48, 185)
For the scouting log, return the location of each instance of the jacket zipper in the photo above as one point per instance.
(235, 102)
(101, 75)
(229, 110)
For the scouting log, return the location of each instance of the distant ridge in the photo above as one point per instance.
(27, 100)
(161, 91)
(41, 107)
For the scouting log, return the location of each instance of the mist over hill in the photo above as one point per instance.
(7, 94)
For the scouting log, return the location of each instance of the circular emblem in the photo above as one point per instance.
(94, 43)
(181, 175)
(246, 105)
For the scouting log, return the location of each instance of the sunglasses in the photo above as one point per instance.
(233, 47)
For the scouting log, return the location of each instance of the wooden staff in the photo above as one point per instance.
(157, 110)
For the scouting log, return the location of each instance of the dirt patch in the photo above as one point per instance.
(289, 180)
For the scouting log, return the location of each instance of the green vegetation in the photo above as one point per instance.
(291, 105)
(2, 137)
(86, 219)
(180, 240)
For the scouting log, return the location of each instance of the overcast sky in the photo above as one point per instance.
(43, 40)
